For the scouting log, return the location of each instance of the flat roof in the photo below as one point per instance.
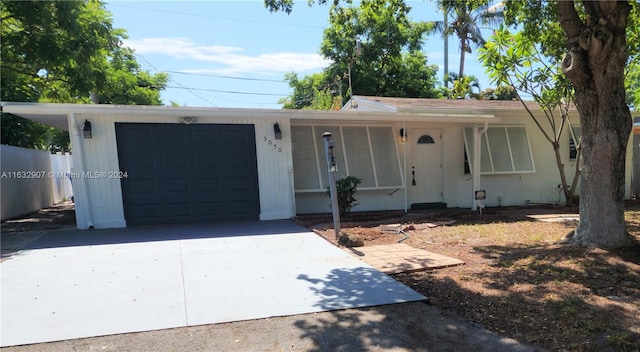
(56, 115)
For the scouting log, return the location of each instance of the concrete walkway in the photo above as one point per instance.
(401, 258)
(71, 284)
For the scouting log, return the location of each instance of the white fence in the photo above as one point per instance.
(32, 180)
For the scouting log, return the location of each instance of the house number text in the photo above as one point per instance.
(271, 143)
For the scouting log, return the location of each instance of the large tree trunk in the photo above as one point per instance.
(595, 64)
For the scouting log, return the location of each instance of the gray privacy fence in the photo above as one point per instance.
(32, 180)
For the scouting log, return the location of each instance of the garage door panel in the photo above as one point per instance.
(237, 183)
(187, 173)
(233, 135)
(173, 160)
(211, 184)
(205, 162)
(142, 133)
(143, 185)
(238, 207)
(141, 162)
(204, 209)
(177, 210)
(146, 211)
(204, 139)
(167, 136)
(238, 164)
(175, 185)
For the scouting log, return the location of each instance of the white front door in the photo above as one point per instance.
(424, 167)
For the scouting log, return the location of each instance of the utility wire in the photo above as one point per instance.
(190, 90)
(227, 91)
(229, 77)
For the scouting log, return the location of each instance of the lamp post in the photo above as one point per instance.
(332, 169)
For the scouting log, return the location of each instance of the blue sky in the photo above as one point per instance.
(236, 53)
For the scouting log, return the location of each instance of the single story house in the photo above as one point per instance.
(141, 165)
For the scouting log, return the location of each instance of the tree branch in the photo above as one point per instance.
(531, 113)
(569, 20)
(18, 70)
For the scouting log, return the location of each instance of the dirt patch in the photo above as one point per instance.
(58, 216)
(518, 280)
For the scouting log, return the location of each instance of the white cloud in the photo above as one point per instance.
(231, 59)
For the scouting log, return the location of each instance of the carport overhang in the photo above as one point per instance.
(36, 112)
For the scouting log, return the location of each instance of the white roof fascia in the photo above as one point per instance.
(18, 108)
(50, 111)
(386, 117)
(358, 104)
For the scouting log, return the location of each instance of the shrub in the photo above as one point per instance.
(346, 188)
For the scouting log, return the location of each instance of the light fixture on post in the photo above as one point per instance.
(276, 131)
(333, 189)
(403, 135)
(86, 131)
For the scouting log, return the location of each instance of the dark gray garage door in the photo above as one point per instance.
(188, 173)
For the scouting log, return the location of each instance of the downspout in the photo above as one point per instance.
(76, 142)
(477, 145)
(404, 167)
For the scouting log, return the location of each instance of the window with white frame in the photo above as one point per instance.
(366, 152)
(504, 150)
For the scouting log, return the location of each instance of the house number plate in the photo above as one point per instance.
(272, 144)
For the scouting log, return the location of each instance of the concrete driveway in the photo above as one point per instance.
(71, 284)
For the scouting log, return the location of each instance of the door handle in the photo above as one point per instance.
(413, 175)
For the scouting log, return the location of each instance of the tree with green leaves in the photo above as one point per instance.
(127, 84)
(463, 87)
(54, 41)
(499, 93)
(312, 92)
(388, 60)
(515, 60)
(592, 37)
(66, 52)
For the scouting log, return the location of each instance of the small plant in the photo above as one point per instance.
(346, 188)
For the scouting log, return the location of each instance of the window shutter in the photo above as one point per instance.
(356, 142)
(385, 156)
(305, 167)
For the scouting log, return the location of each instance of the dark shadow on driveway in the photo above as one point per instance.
(413, 326)
(74, 237)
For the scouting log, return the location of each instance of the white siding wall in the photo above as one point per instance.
(105, 195)
(275, 175)
(503, 190)
(538, 187)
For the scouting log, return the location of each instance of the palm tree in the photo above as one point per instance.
(463, 87)
(465, 21)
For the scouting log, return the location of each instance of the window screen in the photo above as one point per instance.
(356, 141)
(503, 150)
(367, 152)
(304, 157)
